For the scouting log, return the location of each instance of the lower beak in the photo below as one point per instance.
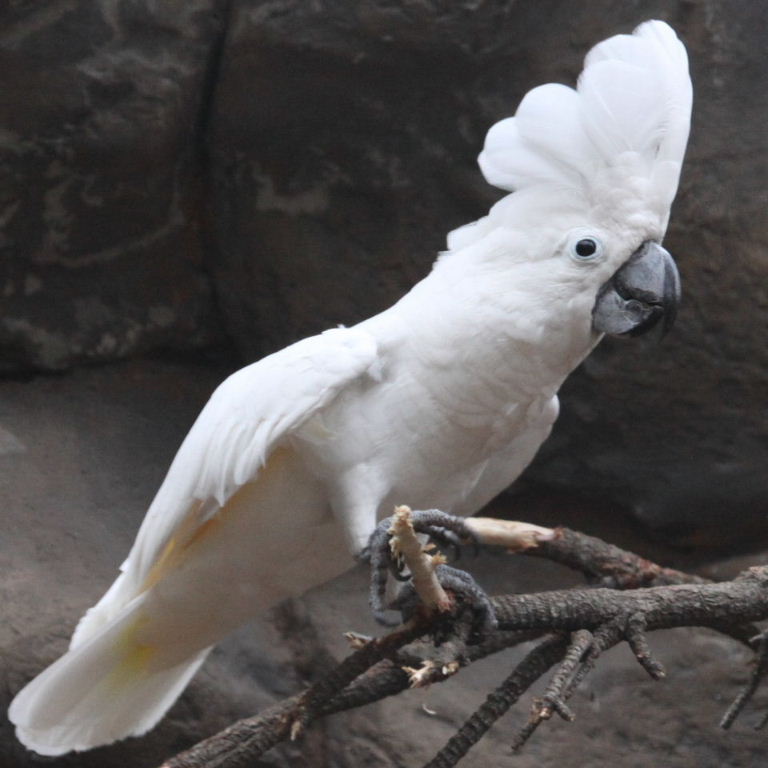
(643, 292)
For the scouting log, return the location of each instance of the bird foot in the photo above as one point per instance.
(429, 579)
(467, 595)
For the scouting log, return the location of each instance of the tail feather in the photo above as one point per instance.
(112, 604)
(106, 688)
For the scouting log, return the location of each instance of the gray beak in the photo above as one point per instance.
(645, 290)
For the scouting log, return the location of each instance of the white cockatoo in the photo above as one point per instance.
(440, 401)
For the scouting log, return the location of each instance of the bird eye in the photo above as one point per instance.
(586, 248)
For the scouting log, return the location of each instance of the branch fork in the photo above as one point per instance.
(573, 628)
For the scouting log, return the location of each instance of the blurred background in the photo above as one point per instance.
(188, 185)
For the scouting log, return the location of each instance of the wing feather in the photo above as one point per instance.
(240, 426)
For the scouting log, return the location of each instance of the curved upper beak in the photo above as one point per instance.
(643, 292)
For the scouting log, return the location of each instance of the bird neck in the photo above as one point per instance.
(508, 324)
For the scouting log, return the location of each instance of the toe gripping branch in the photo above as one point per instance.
(394, 548)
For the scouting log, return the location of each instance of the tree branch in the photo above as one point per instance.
(600, 561)
(527, 672)
(580, 624)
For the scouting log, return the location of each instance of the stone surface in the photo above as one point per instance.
(80, 458)
(335, 181)
(272, 168)
(680, 429)
(100, 246)
(276, 168)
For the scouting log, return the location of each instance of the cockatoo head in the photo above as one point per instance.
(594, 171)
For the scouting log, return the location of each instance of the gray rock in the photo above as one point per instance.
(89, 451)
(335, 181)
(100, 244)
(302, 162)
(679, 430)
(276, 168)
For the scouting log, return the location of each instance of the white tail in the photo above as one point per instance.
(102, 690)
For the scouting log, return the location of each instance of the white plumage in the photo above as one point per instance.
(633, 98)
(440, 401)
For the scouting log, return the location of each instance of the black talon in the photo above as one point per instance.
(445, 538)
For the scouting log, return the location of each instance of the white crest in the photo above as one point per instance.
(631, 108)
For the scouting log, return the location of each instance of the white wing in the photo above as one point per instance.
(231, 440)
(242, 422)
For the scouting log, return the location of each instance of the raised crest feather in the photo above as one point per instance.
(634, 96)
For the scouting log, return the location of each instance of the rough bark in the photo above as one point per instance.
(584, 623)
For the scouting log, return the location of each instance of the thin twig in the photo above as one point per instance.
(422, 566)
(758, 673)
(635, 636)
(530, 669)
(362, 659)
(512, 535)
(556, 693)
(245, 741)
(558, 690)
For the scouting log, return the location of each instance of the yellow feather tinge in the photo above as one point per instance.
(136, 656)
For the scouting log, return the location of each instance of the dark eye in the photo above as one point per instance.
(588, 248)
(585, 248)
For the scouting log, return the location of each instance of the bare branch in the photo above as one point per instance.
(405, 544)
(246, 740)
(527, 672)
(558, 691)
(758, 673)
(635, 636)
(513, 535)
(600, 561)
(738, 601)
(585, 623)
